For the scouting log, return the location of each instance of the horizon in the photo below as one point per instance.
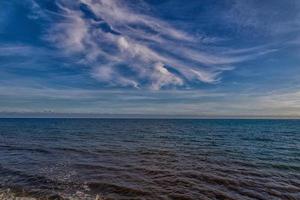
(49, 115)
(233, 58)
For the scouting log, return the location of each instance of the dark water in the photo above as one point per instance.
(151, 159)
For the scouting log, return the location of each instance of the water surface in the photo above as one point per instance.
(150, 159)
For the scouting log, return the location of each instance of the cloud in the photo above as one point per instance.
(17, 49)
(164, 102)
(123, 47)
(162, 76)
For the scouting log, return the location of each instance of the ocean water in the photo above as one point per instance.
(150, 159)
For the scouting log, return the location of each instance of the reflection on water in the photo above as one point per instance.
(150, 159)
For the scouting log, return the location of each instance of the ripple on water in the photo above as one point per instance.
(150, 159)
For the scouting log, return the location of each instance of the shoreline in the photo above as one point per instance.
(8, 194)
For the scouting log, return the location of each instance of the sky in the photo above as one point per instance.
(150, 57)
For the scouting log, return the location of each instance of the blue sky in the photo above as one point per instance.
(150, 57)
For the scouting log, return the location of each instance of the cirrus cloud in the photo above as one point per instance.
(121, 46)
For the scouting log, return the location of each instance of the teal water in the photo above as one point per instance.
(150, 159)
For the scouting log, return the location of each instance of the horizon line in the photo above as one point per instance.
(137, 116)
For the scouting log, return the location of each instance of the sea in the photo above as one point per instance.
(167, 159)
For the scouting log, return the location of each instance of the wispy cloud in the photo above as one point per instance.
(124, 47)
(163, 102)
(16, 49)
